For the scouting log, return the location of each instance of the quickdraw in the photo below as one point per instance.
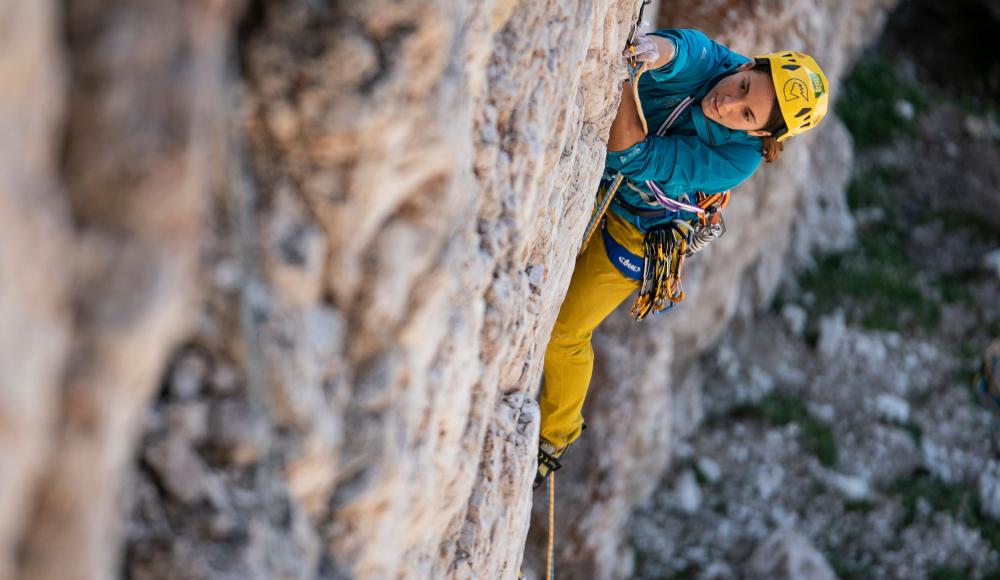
(664, 249)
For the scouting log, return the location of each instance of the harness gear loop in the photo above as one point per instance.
(664, 250)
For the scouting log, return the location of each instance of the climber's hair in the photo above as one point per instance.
(770, 148)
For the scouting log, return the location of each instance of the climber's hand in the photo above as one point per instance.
(645, 50)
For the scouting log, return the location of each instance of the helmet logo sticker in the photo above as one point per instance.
(818, 87)
(795, 89)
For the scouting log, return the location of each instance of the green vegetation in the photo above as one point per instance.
(877, 275)
(880, 285)
(915, 431)
(973, 105)
(778, 409)
(859, 505)
(867, 103)
(869, 189)
(966, 372)
(959, 499)
(975, 225)
(884, 288)
(947, 573)
(954, 290)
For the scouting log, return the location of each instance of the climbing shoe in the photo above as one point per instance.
(548, 461)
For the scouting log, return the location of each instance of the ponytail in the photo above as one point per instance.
(770, 148)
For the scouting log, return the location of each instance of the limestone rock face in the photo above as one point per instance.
(276, 279)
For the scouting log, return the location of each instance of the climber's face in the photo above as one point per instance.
(742, 100)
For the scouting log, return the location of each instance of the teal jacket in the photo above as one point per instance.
(696, 153)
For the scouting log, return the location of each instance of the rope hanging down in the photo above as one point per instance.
(550, 565)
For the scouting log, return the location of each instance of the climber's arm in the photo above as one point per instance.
(682, 163)
(626, 130)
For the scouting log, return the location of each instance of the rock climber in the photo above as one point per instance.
(712, 114)
(989, 377)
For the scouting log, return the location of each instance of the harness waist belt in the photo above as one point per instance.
(638, 211)
(627, 263)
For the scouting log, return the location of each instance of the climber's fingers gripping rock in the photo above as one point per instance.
(642, 49)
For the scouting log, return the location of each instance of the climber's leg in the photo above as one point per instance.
(595, 290)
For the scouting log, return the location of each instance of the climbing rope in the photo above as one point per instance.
(550, 565)
(635, 71)
(598, 215)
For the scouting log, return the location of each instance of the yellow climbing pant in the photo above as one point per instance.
(595, 290)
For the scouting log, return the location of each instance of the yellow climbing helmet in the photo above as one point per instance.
(801, 88)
